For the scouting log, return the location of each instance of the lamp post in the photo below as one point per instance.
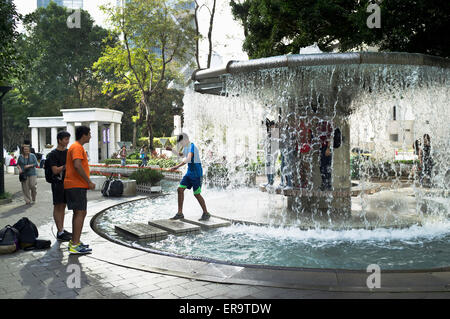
(3, 91)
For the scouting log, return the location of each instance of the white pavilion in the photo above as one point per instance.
(105, 128)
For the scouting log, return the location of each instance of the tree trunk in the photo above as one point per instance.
(211, 22)
(150, 133)
(148, 119)
(134, 134)
(197, 33)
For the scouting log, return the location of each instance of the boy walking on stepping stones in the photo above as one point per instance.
(193, 177)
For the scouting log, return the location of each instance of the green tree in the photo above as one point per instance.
(157, 39)
(59, 59)
(8, 35)
(168, 102)
(276, 27)
(53, 69)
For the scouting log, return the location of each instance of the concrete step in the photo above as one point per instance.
(208, 224)
(176, 227)
(142, 231)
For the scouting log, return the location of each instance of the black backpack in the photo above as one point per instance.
(48, 170)
(112, 187)
(28, 233)
(9, 240)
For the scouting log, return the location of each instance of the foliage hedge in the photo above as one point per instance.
(161, 162)
(147, 176)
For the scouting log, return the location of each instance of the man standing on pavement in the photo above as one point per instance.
(76, 184)
(56, 160)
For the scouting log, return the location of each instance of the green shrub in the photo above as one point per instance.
(147, 176)
(407, 162)
(217, 171)
(355, 162)
(5, 195)
(111, 161)
(133, 156)
(156, 143)
(163, 163)
(171, 141)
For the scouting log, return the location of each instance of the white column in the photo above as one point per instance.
(35, 138)
(42, 139)
(118, 138)
(54, 141)
(93, 143)
(71, 131)
(112, 139)
(103, 145)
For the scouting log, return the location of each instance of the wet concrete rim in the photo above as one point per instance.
(274, 276)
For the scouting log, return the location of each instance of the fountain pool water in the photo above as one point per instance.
(421, 246)
(380, 103)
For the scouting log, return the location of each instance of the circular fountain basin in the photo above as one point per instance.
(256, 238)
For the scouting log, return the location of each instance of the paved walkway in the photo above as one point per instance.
(50, 273)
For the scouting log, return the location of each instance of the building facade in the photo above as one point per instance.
(72, 4)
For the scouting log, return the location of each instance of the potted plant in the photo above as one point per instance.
(148, 179)
(155, 177)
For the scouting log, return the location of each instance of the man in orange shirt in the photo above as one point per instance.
(76, 184)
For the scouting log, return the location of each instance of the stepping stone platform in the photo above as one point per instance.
(142, 231)
(176, 227)
(208, 224)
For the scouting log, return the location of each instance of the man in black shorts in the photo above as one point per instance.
(76, 184)
(57, 161)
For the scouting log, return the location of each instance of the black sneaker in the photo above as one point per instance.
(65, 236)
(177, 216)
(205, 216)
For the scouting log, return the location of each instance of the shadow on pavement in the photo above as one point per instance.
(52, 275)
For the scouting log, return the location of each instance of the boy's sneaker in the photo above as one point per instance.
(65, 236)
(205, 216)
(177, 216)
(79, 249)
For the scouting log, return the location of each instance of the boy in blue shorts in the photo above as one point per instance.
(193, 177)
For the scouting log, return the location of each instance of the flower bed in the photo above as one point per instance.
(161, 162)
(107, 170)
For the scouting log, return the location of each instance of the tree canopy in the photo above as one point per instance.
(52, 69)
(8, 35)
(277, 27)
(157, 38)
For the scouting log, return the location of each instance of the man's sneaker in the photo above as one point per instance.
(81, 243)
(79, 249)
(65, 236)
(177, 216)
(205, 216)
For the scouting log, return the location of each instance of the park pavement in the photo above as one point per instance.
(46, 273)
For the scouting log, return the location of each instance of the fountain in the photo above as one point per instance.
(357, 208)
(319, 97)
